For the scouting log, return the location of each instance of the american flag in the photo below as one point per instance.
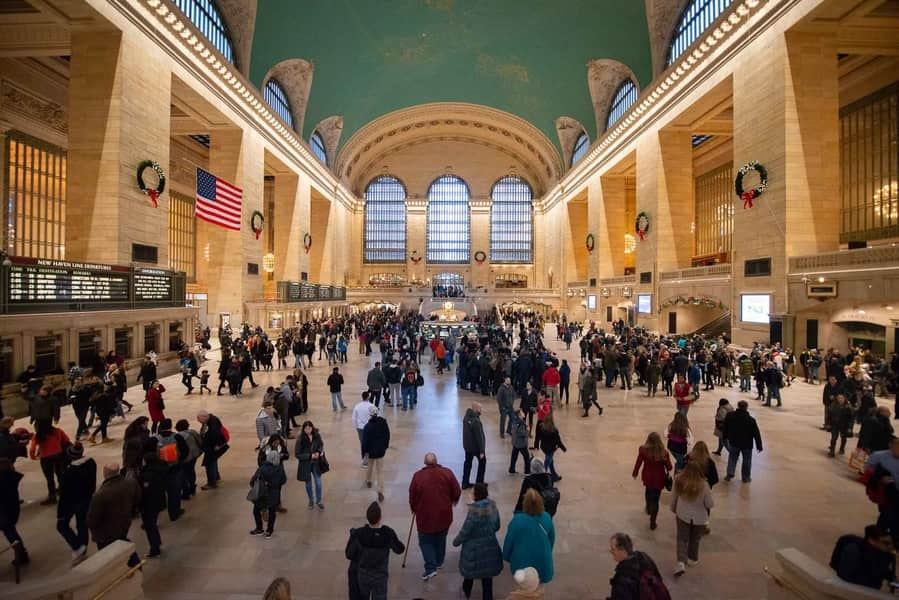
(218, 201)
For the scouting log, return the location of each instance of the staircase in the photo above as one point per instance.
(715, 327)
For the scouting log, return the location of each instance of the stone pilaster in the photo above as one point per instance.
(290, 195)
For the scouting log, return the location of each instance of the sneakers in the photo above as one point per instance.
(256, 532)
(692, 563)
(427, 576)
(321, 506)
(680, 569)
(380, 497)
(268, 534)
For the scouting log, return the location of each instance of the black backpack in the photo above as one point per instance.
(844, 541)
(551, 497)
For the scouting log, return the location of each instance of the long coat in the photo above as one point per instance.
(481, 555)
(304, 450)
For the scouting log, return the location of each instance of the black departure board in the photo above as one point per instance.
(324, 292)
(308, 291)
(152, 284)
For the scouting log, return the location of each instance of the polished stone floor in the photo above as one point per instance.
(798, 497)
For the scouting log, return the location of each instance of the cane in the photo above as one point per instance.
(408, 539)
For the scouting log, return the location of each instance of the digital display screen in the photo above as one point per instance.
(591, 302)
(755, 308)
(644, 303)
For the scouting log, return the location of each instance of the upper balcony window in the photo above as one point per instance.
(695, 19)
(622, 101)
(276, 97)
(317, 143)
(207, 18)
(581, 145)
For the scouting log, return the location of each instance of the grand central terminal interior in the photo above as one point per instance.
(236, 227)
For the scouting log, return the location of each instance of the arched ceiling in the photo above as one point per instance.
(373, 57)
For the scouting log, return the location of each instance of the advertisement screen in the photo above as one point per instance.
(754, 308)
(591, 302)
(644, 303)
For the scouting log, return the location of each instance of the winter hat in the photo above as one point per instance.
(273, 457)
(373, 411)
(75, 451)
(527, 579)
(537, 466)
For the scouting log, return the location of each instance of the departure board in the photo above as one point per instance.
(152, 285)
(61, 281)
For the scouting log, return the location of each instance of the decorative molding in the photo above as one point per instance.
(661, 18)
(568, 129)
(34, 39)
(240, 19)
(24, 103)
(604, 76)
(295, 76)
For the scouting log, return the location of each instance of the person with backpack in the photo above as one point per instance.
(265, 492)
(189, 465)
(530, 538)
(375, 441)
(636, 575)
(656, 465)
(867, 561)
(368, 550)
(173, 451)
(542, 482)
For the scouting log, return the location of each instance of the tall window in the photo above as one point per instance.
(869, 165)
(276, 97)
(35, 198)
(182, 235)
(207, 18)
(714, 211)
(511, 221)
(449, 221)
(385, 220)
(695, 19)
(624, 97)
(317, 143)
(581, 145)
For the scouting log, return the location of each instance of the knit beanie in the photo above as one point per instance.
(527, 579)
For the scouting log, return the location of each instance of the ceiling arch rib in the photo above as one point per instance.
(450, 122)
(295, 76)
(240, 18)
(569, 130)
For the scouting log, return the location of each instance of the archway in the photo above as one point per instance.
(448, 285)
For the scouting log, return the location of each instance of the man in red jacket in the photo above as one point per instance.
(432, 494)
(551, 379)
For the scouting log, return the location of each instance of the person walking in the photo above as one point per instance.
(266, 422)
(550, 441)
(270, 477)
(361, 415)
(375, 441)
(587, 384)
(841, 419)
(10, 508)
(528, 404)
(550, 380)
(49, 445)
(481, 557)
(76, 488)
(519, 442)
(564, 381)
(335, 384)
(653, 373)
(691, 504)
(542, 482)
(156, 404)
(530, 538)
(474, 444)
(700, 454)
(189, 465)
(215, 444)
(152, 500)
(409, 388)
(656, 466)
(505, 400)
(376, 381)
(682, 395)
(310, 452)
(113, 506)
(634, 570)
(104, 404)
(724, 409)
(433, 492)
(368, 550)
(173, 451)
(678, 437)
(740, 431)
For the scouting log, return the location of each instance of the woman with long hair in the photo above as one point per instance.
(691, 504)
(137, 436)
(310, 452)
(678, 434)
(550, 441)
(700, 454)
(656, 464)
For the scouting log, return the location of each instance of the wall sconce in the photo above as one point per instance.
(268, 263)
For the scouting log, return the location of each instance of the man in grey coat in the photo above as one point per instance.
(505, 399)
(376, 382)
(266, 422)
(474, 444)
(519, 431)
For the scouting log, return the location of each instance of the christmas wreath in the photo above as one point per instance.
(480, 257)
(749, 195)
(415, 258)
(160, 176)
(591, 243)
(257, 222)
(641, 225)
(307, 242)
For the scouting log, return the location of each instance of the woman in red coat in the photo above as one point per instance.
(656, 463)
(155, 405)
(50, 448)
(682, 395)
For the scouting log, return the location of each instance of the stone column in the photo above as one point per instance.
(291, 195)
(480, 241)
(416, 227)
(610, 193)
(119, 102)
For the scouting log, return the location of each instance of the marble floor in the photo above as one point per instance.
(798, 497)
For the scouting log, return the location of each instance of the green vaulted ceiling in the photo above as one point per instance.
(526, 57)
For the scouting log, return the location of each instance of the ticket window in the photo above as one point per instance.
(6, 359)
(87, 348)
(123, 342)
(175, 336)
(48, 354)
(151, 339)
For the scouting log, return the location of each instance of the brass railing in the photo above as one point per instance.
(126, 575)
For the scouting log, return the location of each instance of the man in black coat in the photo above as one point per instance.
(368, 551)
(832, 389)
(375, 441)
(865, 561)
(10, 508)
(76, 488)
(630, 569)
(740, 430)
(876, 431)
(11, 447)
(474, 444)
(152, 479)
(214, 445)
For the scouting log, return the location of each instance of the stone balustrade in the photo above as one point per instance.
(802, 577)
(709, 272)
(877, 256)
(624, 280)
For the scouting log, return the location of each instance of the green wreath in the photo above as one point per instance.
(160, 175)
(480, 257)
(591, 243)
(641, 225)
(748, 196)
(307, 241)
(257, 229)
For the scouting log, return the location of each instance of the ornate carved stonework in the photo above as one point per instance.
(603, 78)
(240, 17)
(295, 76)
(331, 129)
(17, 100)
(568, 130)
(661, 17)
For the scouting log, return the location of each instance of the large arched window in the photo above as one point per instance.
(317, 143)
(622, 101)
(276, 97)
(207, 18)
(449, 221)
(581, 145)
(695, 19)
(511, 221)
(385, 220)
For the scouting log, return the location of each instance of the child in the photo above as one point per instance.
(204, 382)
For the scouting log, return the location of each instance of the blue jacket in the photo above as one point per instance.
(529, 543)
(694, 375)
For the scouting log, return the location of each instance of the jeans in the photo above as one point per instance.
(258, 507)
(315, 476)
(82, 423)
(433, 549)
(151, 528)
(486, 588)
(745, 383)
(337, 399)
(466, 469)
(189, 479)
(410, 397)
(732, 455)
(679, 461)
(395, 393)
(101, 429)
(78, 538)
(52, 467)
(524, 454)
(563, 393)
(212, 469)
(688, 536)
(375, 396)
(549, 464)
(773, 394)
(683, 409)
(625, 378)
(504, 425)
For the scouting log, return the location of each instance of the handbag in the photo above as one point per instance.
(257, 490)
(669, 482)
(323, 465)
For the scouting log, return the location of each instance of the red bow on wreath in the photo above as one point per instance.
(747, 198)
(154, 195)
(641, 234)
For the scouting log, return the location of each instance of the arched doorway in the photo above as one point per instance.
(448, 285)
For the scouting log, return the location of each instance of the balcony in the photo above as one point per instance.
(710, 272)
(878, 257)
(624, 280)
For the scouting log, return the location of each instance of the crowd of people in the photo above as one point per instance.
(506, 359)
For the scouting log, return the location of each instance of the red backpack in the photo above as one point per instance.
(652, 587)
(226, 435)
